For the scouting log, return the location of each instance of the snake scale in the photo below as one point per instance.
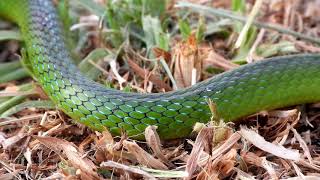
(268, 84)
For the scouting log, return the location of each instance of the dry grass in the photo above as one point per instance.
(39, 143)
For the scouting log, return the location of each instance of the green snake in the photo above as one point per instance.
(268, 84)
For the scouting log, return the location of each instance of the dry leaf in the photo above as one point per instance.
(303, 144)
(142, 156)
(231, 141)
(108, 149)
(252, 158)
(7, 176)
(7, 143)
(202, 142)
(227, 162)
(153, 141)
(274, 149)
(162, 53)
(65, 148)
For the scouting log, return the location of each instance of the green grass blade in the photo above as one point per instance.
(29, 104)
(10, 35)
(15, 75)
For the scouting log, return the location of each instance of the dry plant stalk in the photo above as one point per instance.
(187, 61)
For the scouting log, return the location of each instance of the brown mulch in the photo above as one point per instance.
(280, 144)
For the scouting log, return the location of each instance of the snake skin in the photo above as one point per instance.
(269, 84)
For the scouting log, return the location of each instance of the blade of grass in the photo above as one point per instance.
(185, 29)
(4, 106)
(248, 24)
(29, 104)
(4, 99)
(15, 75)
(167, 69)
(284, 47)
(10, 103)
(9, 67)
(10, 35)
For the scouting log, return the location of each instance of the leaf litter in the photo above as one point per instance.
(37, 143)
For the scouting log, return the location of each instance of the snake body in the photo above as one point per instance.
(268, 84)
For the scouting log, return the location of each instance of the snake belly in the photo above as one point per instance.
(268, 84)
